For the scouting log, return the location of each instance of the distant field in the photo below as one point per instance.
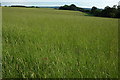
(49, 43)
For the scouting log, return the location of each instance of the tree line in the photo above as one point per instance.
(112, 12)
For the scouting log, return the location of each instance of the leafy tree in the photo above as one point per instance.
(65, 7)
(113, 12)
(93, 9)
(114, 6)
(118, 11)
(71, 7)
(118, 7)
(109, 12)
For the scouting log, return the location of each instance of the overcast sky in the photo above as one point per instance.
(80, 3)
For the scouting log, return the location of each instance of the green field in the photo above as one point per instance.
(49, 43)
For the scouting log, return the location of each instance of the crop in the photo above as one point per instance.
(49, 43)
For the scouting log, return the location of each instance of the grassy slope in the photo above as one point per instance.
(54, 43)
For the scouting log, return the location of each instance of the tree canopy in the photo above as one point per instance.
(112, 12)
(71, 7)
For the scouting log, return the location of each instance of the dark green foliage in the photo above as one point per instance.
(18, 6)
(109, 12)
(74, 8)
(84, 10)
(71, 7)
(118, 14)
(112, 12)
(118, 11)
(93, 10)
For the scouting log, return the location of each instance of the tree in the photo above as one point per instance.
(114, 6)
(71, 7)
(118, 11)
(106, 8)
(118, 7)
(65, 7)
(93, 9)
(109, 12)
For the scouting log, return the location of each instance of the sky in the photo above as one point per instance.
(80, 3)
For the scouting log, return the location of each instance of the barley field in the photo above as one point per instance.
(50, 43)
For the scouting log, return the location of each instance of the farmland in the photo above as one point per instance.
(49, 43)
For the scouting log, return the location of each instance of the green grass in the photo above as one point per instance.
(49, 43)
